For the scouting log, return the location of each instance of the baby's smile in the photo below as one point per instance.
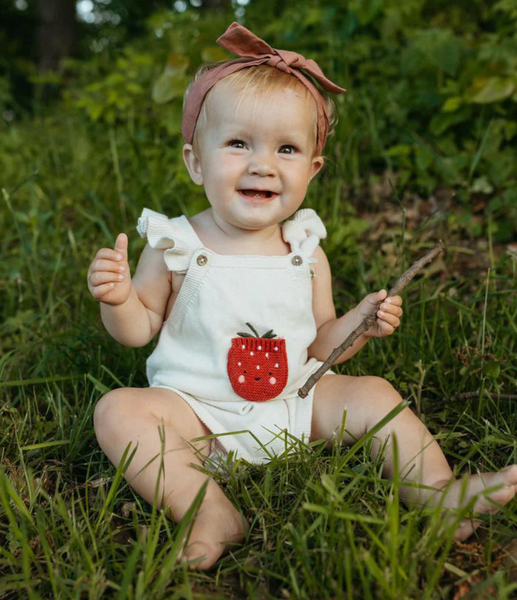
(256, 194)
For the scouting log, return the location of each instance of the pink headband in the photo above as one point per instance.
(254, 51)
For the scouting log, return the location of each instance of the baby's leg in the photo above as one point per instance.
(369, 399)
(133, 414)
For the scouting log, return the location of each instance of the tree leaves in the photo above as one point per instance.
(485, 90)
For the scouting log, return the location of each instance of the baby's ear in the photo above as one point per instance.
(193, 164)
(317, 164)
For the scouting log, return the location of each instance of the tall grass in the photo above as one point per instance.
(324, 524)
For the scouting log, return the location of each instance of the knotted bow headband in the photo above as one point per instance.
(254, 52)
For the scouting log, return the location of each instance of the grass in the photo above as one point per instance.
(324, 523)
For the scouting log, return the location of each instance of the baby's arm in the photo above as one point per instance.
(132, 311)
(331, 331)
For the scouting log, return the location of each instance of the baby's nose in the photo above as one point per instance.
(262, 168)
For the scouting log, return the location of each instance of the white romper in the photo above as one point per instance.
(236, 383)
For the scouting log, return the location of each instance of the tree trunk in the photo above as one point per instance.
(56, 32)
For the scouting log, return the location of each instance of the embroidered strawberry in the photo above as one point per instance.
(257, 366)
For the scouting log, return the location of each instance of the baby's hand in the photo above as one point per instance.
(388, 315)
(109, 279)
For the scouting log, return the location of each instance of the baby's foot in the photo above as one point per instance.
(506, 479)
(215, 530)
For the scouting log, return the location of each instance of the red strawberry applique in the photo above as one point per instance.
(257, 366)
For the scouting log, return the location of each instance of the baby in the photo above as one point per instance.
(241, 296)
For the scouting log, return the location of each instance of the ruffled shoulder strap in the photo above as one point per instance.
(172, 235)
(304, 232)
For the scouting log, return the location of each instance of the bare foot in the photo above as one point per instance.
(215, 530)
(457, 497)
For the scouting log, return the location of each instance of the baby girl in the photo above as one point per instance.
(241, 295)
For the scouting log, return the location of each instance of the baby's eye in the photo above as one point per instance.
(290, 149)
(236, 144)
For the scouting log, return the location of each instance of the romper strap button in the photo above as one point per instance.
(297, 260)
(202, 260)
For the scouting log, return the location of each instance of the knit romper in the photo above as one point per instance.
(235, 378)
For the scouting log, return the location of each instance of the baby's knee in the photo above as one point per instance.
(382, 389)
(108, 410)
(383, 397)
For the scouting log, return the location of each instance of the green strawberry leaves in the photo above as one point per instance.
(269, 335)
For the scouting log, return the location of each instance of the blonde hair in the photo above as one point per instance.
(262, 79)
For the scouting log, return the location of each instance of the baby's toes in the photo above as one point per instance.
(509, 474)
(200, 553)
(466, 528)
(502, 497)
(506, 480)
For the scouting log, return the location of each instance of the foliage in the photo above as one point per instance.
(122, 93)
(6, 96)
(431, 86)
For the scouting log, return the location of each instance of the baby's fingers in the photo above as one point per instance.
(107, 265)
(391, 309)
(100, 291)
(100, 277)
(395, 300)
(108, 254)
(121, 244)
(389, 318)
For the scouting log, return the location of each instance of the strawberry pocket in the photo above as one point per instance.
(257, 366)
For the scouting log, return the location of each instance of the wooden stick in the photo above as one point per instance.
(369, 320)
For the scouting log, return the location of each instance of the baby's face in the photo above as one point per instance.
(255, 160)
